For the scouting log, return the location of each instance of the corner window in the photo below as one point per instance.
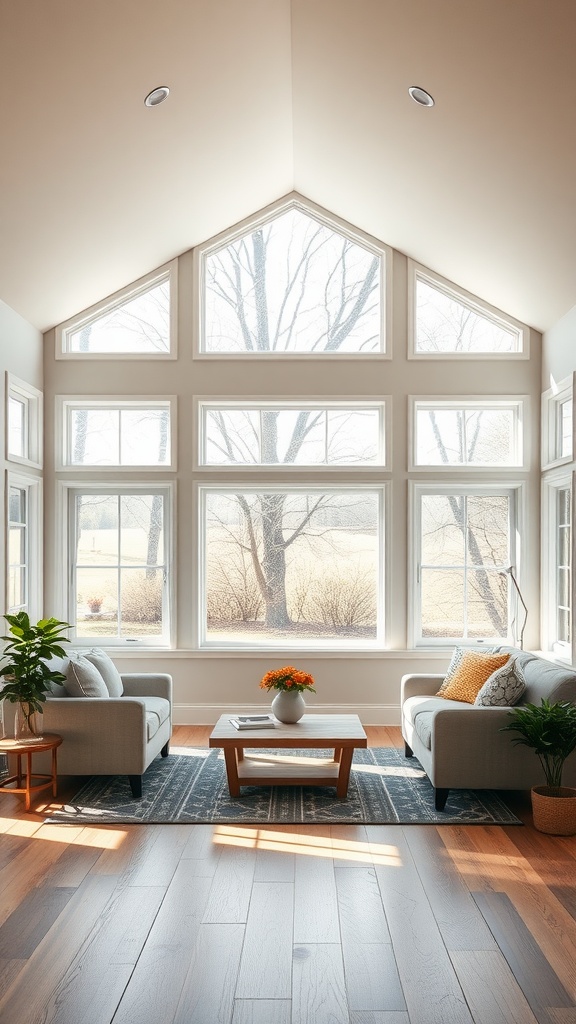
(116, 433)
(293, 283)
(23, 545)
(23, 423)
(448, 322)
(136, 322)
(557, 424)
(463, 547)
(292, 567)
(557, 565)
(120, 553)
(471, 433)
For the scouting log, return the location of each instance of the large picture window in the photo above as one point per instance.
(120, 556)
(292, 567)
(293, 283)
(463, 544)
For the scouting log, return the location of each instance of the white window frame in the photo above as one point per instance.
(334, 223)
(520, 404)
(32, 399)
(382, 618)
(516, 493)
(382, 405)
(552, 401)
(417, 272)
(168, 272)
(32, 485)
(66, 595)
(66, 403)
(554, 482)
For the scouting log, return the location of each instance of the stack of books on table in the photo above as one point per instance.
(253, 722)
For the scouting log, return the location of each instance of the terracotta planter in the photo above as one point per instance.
(554, 810)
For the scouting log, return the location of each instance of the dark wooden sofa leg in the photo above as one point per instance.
(165, 749)
(408, 752)
(135, 785)
(440, 798)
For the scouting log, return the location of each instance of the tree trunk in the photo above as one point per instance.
(274, 560)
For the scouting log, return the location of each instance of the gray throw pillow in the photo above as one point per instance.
(504, 687)
(107, 670)
(83, 679)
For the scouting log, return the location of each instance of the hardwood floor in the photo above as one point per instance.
(194, 924)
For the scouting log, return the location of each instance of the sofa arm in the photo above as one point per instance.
(420, 685)
(147, 684)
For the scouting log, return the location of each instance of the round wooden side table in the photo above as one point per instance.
(33, 782)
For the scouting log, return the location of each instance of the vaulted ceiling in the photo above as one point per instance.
(268, 96)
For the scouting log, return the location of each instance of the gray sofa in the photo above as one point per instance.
(109, 735)
(460, 746)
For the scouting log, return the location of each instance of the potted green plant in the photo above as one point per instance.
(551, 732)
(27, 675)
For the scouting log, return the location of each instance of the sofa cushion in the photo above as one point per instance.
(418, 714)
(504, 687)
(107, 670)
(471, 674)
(83, 679)
(157, 711)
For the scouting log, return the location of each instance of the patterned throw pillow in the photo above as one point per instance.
(504, 687)
(472, 672)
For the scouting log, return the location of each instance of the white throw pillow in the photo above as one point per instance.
(107, 670)
(504, 687)
(83, 679)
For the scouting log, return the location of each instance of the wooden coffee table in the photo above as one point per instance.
(342, 733)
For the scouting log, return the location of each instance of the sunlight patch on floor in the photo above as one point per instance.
(307, 845)
(69, 835)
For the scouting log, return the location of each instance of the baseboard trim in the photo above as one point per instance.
(208, 714)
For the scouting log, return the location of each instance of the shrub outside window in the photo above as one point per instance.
(292, 566)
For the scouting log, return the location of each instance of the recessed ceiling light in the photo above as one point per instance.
(157, 96)
(421, 96)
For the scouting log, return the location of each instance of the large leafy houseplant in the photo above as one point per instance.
(28, 649)
(550, 730)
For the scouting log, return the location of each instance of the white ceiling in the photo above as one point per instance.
(268, 96)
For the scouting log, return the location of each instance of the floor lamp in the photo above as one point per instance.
(510, 572)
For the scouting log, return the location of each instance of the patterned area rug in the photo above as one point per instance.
(190, 786)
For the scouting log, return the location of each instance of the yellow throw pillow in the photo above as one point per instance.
(471, 674)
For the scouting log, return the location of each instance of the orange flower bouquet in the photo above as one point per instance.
(288, 678)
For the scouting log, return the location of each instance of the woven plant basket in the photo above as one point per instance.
(554, 810)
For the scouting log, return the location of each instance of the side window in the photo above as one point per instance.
(116, 433)
(138, 322)
(23, 423)
(447, 322)
(120, 553)
(24, 544)
(463, 544)
(557, 424)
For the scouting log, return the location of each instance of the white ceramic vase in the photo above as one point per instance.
(288, 706)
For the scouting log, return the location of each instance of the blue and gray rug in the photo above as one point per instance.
(190, 786)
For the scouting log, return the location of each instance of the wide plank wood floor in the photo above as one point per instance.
(195, 924)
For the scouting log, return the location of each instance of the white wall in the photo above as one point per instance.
(207, 684)
(559, 350)
(21, 354)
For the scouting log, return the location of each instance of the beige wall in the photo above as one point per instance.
(208, 683)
